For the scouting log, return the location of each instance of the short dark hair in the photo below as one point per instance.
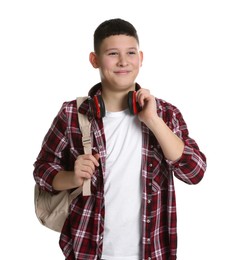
(111, 27)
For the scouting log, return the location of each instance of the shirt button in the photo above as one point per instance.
(150, 165)
(101, 237)
(148, 220)
(151, 146)
(150, 184)
(148, 240)
(149, 201)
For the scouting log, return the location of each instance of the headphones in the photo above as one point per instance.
(98, 108)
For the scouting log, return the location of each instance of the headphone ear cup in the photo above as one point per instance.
(99, 107)
(102, 106)
(132, 103)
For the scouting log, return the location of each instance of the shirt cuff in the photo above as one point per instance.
(184, 159)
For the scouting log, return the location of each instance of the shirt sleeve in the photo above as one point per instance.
(190, 167)
(51, 158)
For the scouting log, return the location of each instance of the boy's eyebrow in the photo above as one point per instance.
(115, 49)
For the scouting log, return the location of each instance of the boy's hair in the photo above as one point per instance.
(113, 27)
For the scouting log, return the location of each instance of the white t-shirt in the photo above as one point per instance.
(122, 187)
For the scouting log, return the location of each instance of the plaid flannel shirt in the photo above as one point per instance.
(82, 234)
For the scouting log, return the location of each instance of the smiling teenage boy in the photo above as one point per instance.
(139, 143)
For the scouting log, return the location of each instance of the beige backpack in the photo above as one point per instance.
(52, 210)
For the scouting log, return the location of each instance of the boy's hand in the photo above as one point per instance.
(148, 105)
(84, 167)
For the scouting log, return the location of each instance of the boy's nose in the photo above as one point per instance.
(122, 61)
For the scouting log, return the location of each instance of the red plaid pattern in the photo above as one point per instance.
(82, 234)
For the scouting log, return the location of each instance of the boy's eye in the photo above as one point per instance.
(112, 53)
(115, 53)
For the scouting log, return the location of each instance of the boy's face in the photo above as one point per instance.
(119, 61)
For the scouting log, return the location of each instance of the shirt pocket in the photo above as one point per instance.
(160, 173)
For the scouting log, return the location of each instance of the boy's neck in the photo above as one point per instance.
(114, 102)
(115, 97)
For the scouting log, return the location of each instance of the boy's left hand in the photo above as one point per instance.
(148, 105)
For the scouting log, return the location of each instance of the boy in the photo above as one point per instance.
(131, 213)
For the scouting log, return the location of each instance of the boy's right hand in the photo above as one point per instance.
(84, 167)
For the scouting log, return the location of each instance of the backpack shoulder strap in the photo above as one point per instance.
(85, 127)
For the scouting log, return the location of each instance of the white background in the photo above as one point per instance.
(189, 60)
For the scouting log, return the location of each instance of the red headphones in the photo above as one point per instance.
(98, 107)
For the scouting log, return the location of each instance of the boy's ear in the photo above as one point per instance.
(141, 57)
(93, 60)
